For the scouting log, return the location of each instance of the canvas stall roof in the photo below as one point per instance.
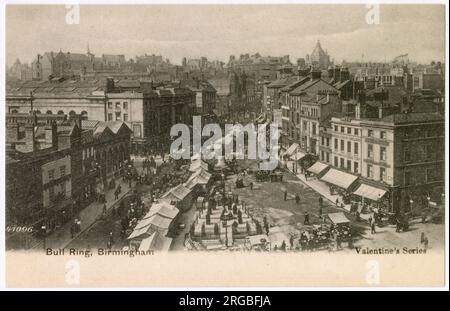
(160, 221)
(191, 183)
(198, 164)
(156, 242)
(370, 192)
(338, 218)
(339, 178)
(203, 176)
(138, 232)
(148, 243)
(178, 193)
(292, 148)
(164, 209)
(317, 168)
(297, 156)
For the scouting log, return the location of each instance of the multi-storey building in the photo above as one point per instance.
(63, 97)
(316, 100)
(205, 95)
(55, 169)
(260, 67)
(126, 106)
(345, 144)
(164, 107)
(405, 153)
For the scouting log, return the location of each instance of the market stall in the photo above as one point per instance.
(370, 197)
(180, 196)
(340, 182)
(318, 169)
(290, 151)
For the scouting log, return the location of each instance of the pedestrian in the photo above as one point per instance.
(338, 241)
(370, 221)
(283, 246)
(111, 238)
(297, 199)
(425, 243)
(398, 226)
(291, 241)
(251, 185)
(285, 195)
(72, 230)
(372, 227)
(422, 237)
(306, 221)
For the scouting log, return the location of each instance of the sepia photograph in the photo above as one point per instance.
(273, 144)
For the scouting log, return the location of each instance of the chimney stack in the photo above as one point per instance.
(51, 134)
(76, 119)
(316, 74)
(29, 136)
(109, 85)
(12, 132)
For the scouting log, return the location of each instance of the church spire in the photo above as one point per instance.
(88, 50)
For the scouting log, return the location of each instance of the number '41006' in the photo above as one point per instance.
(19, 229)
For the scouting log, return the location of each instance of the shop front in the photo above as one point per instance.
(370, 197)
(340, 183)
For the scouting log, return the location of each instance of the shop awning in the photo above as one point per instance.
(297, 156)
(339, 178)
(198, 164)
(370, 192)
(317, 168)
(290, 151)
(338, 218)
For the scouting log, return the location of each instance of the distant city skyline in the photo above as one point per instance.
(218, 31)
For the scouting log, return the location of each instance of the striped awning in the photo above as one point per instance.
(370, 192)
(297, 156)
(291, 150)
(338, 178)
(317, 168)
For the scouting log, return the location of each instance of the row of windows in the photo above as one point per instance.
(118, 116)
(87, 153)
(346, 130)
(382, 152)
(346, 164)
(349, 146)
(381, 134)
(60, 112)
(118, 106)
(382, 172)
(326, 141)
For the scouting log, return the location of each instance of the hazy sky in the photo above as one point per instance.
(218, 31)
